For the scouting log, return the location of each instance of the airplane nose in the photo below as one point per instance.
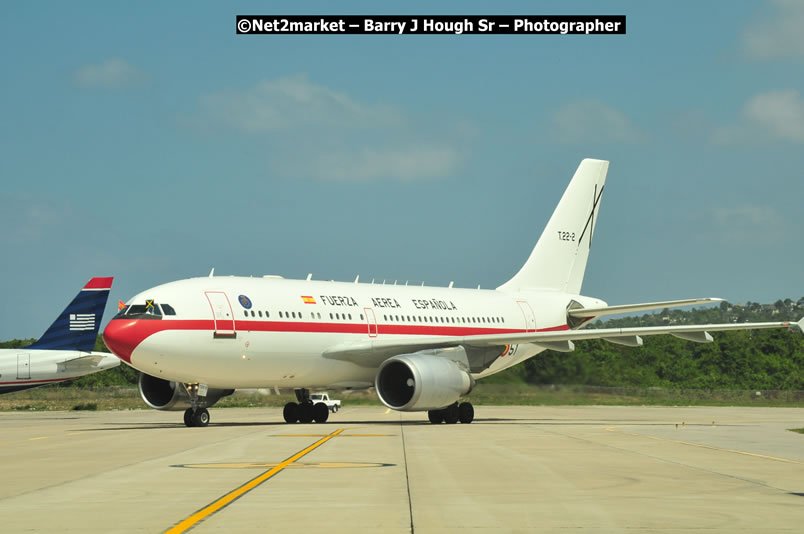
(122, 336)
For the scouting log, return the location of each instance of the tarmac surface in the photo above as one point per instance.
(515, 469)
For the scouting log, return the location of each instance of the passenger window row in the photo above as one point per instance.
(387, 318)
(448, 320)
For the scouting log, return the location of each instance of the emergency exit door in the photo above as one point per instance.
(23, 366)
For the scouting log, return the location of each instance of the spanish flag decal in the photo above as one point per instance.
(308, 299)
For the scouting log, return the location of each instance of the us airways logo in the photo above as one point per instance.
(82, 321)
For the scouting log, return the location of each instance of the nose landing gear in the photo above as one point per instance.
(196, 417)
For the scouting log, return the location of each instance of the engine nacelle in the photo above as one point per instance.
(418, 382)
(161, 394)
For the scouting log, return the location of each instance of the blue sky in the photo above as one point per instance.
(152, 144)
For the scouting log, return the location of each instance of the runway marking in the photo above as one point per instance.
(710, 447)
(340, 436)
(296, 465)
(42, 437)
(229, 498)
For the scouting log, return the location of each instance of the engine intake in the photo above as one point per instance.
(421, 381)
(161, 394)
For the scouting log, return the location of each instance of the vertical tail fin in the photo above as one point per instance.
(77, 326)
(558, 260)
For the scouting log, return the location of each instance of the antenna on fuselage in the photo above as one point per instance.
(357, 278)
(212, 272)
(309, 276)
(450, 283)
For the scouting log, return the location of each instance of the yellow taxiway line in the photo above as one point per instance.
(208, 510)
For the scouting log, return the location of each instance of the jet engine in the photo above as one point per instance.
(421, 381)
(161, 394)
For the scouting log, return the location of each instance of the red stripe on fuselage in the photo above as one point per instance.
(122, 336)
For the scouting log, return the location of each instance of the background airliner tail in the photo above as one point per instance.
(77, 326)
(558, 260)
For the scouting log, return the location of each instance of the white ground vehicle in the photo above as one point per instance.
(333, 405)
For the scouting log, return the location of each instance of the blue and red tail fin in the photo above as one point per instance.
(77, 326)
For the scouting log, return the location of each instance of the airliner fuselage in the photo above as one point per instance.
(243, 332)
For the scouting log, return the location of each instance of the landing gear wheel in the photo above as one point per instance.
(466, 412)
(320, 412)
(451, 414)
(291, 412)
(435, 416)
(201, 417)
(305, 412)
(188, 417)
(335, 409)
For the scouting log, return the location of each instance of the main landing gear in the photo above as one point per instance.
(305, 411)
(463, 412)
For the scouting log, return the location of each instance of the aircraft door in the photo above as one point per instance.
(371, 319)
(530, 318)
(221, 314)
(23, 366)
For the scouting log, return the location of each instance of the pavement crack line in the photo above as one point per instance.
(407, 477)
(669, 461)
(222, 502)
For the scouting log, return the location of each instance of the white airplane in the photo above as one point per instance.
(422, 348)
(64, 351)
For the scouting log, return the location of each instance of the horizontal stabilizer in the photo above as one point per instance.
(628, 308)
(95, 361)
(628, 341)
(697, 337)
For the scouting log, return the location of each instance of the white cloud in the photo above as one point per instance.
(779, 36)
(747, 215)
(293, 102)
(313, 131)
(407, 164)
(114, 73)
(775, 114)
(586, 121)
(742, 224)
(780, 113)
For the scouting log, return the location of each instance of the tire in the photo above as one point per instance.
(305, 412)
(291, 412)
(320, 412)
(188, 417)
(451, 414)
(435, 416)
(466, 412)
(201, 417)
(335, 408)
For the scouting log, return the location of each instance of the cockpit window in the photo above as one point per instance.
(167, 309)
(142, 309)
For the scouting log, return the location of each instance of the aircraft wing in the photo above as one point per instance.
(629, 308)
(373, 352)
